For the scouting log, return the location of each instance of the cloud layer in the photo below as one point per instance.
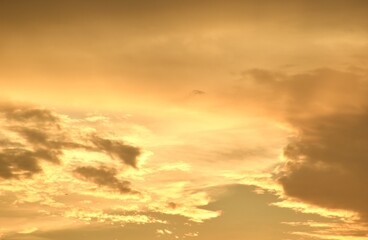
(72, 169)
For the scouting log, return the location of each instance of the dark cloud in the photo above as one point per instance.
(17, 162)
(126, 153)
(22, 113)
(34, 136)
(328, 162)
(40, 137)
(328, 157)
(104, 177)
(48, 139)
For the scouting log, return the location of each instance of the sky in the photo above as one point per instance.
(188, 120)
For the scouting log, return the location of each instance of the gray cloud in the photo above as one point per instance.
(126, 153)
(104, 177)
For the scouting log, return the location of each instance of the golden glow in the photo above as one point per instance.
(205, 120)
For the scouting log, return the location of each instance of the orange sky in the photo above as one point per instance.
(206, 120)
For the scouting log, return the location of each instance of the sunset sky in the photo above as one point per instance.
(183, 120)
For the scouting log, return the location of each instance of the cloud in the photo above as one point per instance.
(54, 139)
(105, 177)
(15, 163)
(23, 113)
(18, 160)
(193, 51)
(34, 136)
(333, 230)
(327, 162)
(325, 108)
(126, 153)
(31, 135)
(326, 111)
(304, 94)
(198, 92)
(21, 162)
(57, 163)
(29, 230)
